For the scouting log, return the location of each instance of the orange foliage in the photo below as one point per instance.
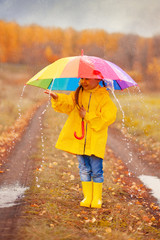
(34, 44)
(69, 48)
(154, 68)
(3, 48)
(153, 71)
(49, 55)
(113, 42)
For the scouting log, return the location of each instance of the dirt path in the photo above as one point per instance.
(21, 167)
(127, 151)
(18, 171)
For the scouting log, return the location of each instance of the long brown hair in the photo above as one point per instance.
(77, 94)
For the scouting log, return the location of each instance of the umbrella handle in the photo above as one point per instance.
(75, 135)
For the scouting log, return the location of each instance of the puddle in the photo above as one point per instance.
(9, 194)
(152, 183)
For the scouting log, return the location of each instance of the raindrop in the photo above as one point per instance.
(111, 87)
(20, 102)
(41, 131)
(128, 91)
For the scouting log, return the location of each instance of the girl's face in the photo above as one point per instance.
(89, 83)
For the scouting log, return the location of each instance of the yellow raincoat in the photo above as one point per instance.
(101, 112)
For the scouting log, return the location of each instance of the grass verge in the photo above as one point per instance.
(141, 122)
(15, 100)
(141, 114)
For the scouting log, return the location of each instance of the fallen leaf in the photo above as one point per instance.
(121, 176)
(108, 230)
(118, 206)
(72, 177)
(65, 155)
(41, 213)
(51, 225)
(87, 221)
(50, 165)
(120, 167)
(153, 219)
(93, 220)
(3, 150)
(55, 163)
(34, 205)
(83, 212)
(146, 218)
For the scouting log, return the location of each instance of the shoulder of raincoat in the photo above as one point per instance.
(101, 112)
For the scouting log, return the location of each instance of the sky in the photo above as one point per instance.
(140, 17)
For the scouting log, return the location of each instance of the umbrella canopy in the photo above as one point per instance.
(65, 73)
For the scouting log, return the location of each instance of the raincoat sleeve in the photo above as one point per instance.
(105, 115)
(64, 104)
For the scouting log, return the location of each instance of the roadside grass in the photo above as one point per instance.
(141, 114)
(12, 102)
(17, 105)
(52, 208)
(141, 122)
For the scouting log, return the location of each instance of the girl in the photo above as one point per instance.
(91, 108)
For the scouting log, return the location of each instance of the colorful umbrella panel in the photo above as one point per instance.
(65, 73)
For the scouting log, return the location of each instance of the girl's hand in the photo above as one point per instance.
(82, 112)
(52, 94)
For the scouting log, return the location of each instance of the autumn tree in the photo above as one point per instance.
(127, 51)
(69, 43)
(156, 46)
(38, 45)
(50, 56)
(3, 46)
(153, 71)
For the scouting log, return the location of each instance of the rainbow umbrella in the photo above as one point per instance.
(65, 73)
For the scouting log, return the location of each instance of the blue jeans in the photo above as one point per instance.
(90, 168)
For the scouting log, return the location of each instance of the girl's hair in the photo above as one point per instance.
(77, 94)
(78, 90)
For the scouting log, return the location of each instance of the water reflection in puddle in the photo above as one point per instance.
(152, 183)
(9, 194)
